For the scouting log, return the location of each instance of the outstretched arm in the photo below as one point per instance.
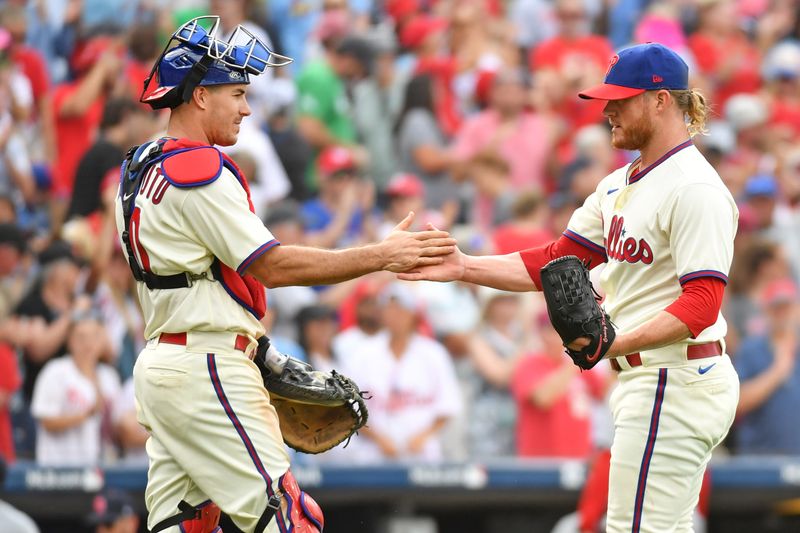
(400, 251)
(517, 271)
(505, 272)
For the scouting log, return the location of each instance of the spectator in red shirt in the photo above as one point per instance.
(77, 109)
(723, 52)
(528, 227)
(554, 401)
(576, 58)
(782, 90)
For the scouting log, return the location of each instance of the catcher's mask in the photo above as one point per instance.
(195, 56)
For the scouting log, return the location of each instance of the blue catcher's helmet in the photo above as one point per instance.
(199, 58)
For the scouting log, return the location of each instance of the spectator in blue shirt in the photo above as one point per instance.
(336, 217)
(770, 378)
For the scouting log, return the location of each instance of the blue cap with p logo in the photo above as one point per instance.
(640, 68)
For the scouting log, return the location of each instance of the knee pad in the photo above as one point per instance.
(206, 520)
(304, 513)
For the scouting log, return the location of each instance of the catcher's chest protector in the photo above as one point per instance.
(185, 164)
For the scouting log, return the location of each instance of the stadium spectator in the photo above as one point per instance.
(379, 98)
(412, 382)
(113, 511)
(554, 401)
(527, 227)
(29, 60)
(77, 112)
(781, 73)
(51, 301)
(770, 378)
(323, 107)
(366, 326)
(494, 350)
(15, 274)
(406, 192)
(747, 114)
(507, 132)
(421, 143)
(123, 124)
(72, 398)
(757, 263)
(316, 328)
(572, 59)
(723, 52)
(338, 216)
(16, 100)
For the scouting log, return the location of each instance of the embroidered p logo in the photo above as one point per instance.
(611, 64)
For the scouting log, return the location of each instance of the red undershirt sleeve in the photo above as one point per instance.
(535, 258)
(698, 307)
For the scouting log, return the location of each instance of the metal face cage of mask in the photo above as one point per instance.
(194, 55)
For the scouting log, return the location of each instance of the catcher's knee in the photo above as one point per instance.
(303, 513)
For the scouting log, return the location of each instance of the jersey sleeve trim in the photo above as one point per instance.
(583, 241)
(258, 252)
(703, 274)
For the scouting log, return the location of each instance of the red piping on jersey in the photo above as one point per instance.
(642, 173)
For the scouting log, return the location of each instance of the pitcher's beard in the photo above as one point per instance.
(636, 135)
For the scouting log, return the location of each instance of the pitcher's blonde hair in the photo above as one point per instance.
(695, 107)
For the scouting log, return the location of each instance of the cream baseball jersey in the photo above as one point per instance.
(176, 230)
(658, 227)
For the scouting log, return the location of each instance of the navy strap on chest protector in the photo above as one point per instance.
(137, 161)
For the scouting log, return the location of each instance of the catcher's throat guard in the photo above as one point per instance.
(316, 410)
(195, 55)
(574, 310)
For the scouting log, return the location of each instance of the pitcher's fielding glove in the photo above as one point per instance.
(574, 309)
(317, 410)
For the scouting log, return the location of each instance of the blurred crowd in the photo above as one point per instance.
(463, 111)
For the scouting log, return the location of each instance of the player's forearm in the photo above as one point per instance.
(301, 265)
(504, 272)
(661, 330)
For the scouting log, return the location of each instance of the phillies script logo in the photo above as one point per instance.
(626, 249)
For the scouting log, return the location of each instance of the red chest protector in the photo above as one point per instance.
(186, 164)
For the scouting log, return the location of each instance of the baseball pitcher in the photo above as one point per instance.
(664, 225)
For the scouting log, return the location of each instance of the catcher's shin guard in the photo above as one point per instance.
(303, 512)
(202, 518)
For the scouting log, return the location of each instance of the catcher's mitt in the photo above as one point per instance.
(574, 309)
(317, 410)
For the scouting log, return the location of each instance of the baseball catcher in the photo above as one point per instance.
(574, 310)
(317, 410)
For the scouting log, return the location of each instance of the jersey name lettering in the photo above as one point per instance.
(154, 185)
(628, 249)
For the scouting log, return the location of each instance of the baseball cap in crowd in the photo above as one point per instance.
(11, 235)
(110, 506)
(640, 68)
(779, 292)
(761, 185)
(405, 185)
(419, 28)
(399, 293)
(336, 159)
(400, 9)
